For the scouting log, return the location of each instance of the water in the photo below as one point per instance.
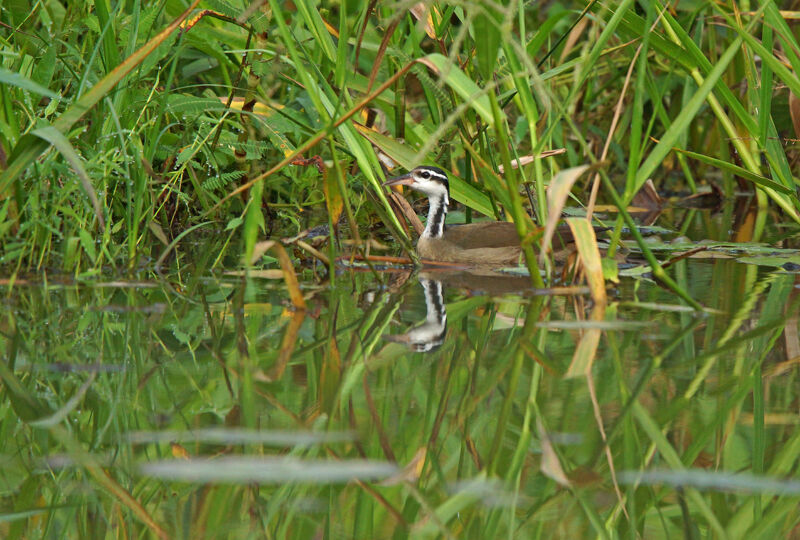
(399, 403)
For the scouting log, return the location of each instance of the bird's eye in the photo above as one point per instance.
(425, 174)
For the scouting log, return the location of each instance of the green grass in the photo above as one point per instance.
(117, 134)
(156, 142)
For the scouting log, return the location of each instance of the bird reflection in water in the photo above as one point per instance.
(429, 335)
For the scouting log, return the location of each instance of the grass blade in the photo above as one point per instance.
(738, 171)
(10, 78)
(681, 123)
(62, 144)
(24, 154)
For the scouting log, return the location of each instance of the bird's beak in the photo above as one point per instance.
(402, 180)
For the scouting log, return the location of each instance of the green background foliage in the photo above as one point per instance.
(161, 142)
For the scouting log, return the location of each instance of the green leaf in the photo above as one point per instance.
(470, 196)
(57, 139)
(15, 79)
(25, 405)
(461, 85)
(318, 28)
(586, 242)
(684, 119)
(738, 171)
(43, 73)
(486, 22)
(404, 155)
(87, 243)
(26, 151)
(234, 223)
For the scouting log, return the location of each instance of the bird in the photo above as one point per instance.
(481, 243)
(484, 243)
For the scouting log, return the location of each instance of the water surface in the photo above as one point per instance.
(400, 403)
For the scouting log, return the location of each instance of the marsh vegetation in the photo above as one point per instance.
(215, 324)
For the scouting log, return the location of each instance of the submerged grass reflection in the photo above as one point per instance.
(191, 418)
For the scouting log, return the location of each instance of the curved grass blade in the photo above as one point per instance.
(174, 243)
(318, 29)
(11, 78)
(289, 275)
(738, 171)
(779, 69)
(658, 271)
(104, 479)
(586, 351)
(405, 156)
(317, 137)
(62, 144)
(486, 25)
(461, 85)
(25, 405)
(72, 403)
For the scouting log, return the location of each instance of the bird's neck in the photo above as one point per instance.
(430, 334)
(434, 301)
(436, 213)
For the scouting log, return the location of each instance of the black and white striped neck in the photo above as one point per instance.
(430, 335)
(437, 211)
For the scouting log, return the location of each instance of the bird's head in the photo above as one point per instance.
(432, 181)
